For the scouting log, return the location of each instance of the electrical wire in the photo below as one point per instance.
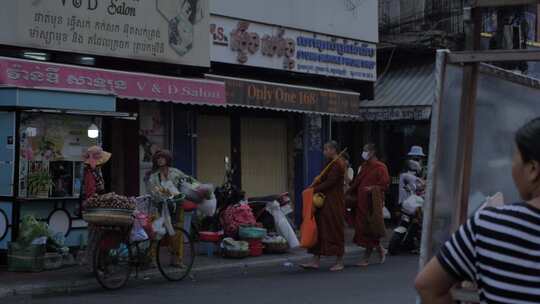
(387, 67)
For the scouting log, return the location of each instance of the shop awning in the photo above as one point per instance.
(139, 86)
(402, 94)
(249, 93)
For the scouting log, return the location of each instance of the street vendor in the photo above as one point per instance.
(164, 175)
(93, 183)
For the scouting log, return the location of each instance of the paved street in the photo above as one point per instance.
(389, 283)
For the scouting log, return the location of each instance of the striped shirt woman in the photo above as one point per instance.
(498, 248)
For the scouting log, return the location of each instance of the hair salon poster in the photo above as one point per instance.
(174, 31)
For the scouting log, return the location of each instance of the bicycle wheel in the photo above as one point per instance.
(112, 257)
(175, 255)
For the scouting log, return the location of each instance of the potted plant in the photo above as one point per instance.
(39, 183)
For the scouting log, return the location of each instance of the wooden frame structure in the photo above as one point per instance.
(470, 62)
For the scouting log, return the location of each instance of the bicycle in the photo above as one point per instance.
(116, 255)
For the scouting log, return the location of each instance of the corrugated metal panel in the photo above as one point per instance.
(406, 87)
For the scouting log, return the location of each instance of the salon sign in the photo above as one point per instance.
(260, 45)
(174, 31)
(39, 75)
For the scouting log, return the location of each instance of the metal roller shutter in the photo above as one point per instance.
(264, 156)
(213, 145)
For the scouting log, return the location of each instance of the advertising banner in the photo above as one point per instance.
(266, 46)
(174, 31)
(287, 97)
(39, 75)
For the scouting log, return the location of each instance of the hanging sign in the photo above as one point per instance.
(266, 46)
(40, 75)
(286, 97)
(395, 113)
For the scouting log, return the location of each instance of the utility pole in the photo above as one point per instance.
(472, 18)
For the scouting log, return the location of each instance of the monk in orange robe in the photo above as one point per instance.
(329, 218)
(370, 185)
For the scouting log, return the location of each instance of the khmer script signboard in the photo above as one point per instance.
(274, 47)
(174, 31)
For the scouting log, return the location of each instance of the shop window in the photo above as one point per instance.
(154, 120)
(51, 149)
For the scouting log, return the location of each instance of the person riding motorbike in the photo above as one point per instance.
(410, 181)
(406, 235)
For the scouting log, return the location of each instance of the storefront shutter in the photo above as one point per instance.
(264, 156)
(213, 145)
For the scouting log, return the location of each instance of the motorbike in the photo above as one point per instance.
(229, 194)
(408, 233)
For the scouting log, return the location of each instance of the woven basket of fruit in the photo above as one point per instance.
(109, 210)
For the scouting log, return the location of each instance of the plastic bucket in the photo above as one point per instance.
(255, 248)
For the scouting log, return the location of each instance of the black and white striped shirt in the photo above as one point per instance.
(499, 249)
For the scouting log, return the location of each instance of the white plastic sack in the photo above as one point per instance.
(159, 227)
(208, 207)
(283, 227)
(137, 232)
(167, 221)
(386, 214)
(412, 203)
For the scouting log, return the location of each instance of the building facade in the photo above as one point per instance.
(205, 79)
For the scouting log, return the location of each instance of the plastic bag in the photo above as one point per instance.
(138, 233)
(208, 207)
(412, 203)
(166, 215)
(159, 227)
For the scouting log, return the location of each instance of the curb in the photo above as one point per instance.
(90, 284)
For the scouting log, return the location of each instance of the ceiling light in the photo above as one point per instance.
(93, 131)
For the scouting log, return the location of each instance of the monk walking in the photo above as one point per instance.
(370, 185)
(329, 218)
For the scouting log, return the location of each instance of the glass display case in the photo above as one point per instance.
(51, 153)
